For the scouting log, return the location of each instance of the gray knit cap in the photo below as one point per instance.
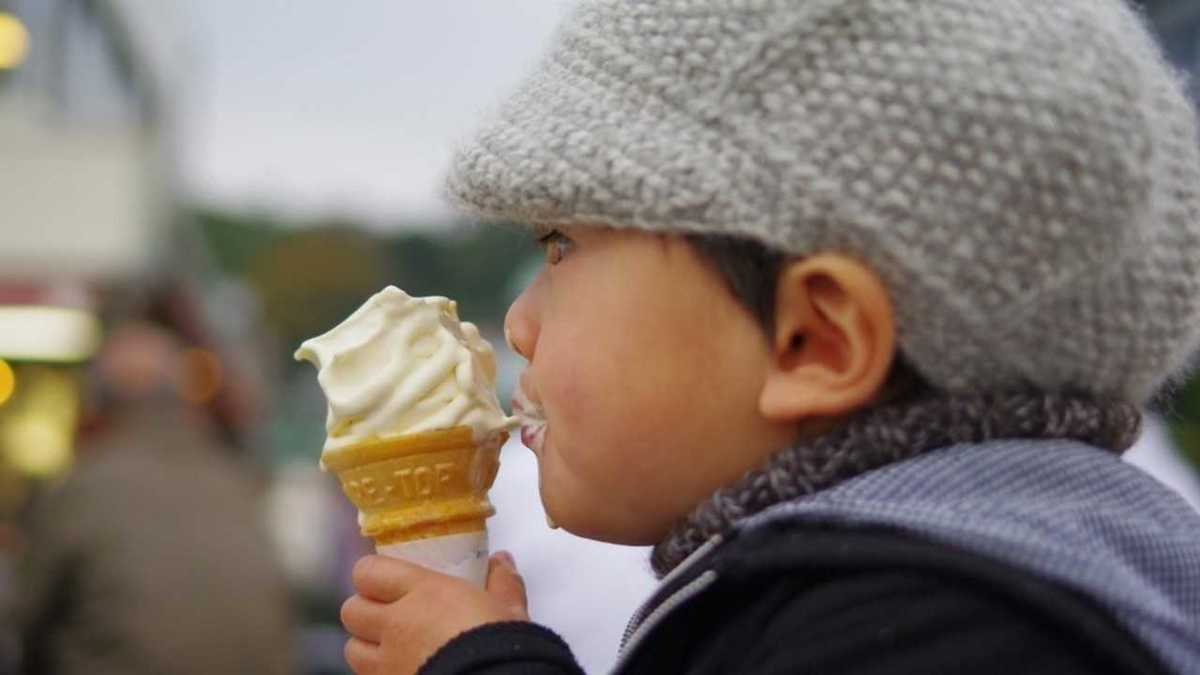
(1023, 174)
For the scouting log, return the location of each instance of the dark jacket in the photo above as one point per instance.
(1029, 557)
(793, 600)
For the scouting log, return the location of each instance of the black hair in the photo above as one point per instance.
(750, 270)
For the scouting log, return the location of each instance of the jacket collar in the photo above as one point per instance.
(888, 434)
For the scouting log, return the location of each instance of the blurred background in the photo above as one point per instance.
(188, 190)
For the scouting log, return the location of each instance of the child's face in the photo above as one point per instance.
(648, 374)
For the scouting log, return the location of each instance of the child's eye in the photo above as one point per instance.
(555, 244)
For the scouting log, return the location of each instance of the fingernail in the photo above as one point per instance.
(506, 558)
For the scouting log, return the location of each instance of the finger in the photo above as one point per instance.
(505, 584)
(384, 579)
(364, 618)
(361, 656)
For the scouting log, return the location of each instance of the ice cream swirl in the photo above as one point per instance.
(402, 365)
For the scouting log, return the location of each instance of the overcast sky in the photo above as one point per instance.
(319, 108)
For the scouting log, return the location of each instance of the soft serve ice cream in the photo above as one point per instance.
(402, 365)
(413, 427)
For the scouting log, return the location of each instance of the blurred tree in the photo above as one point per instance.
(236, 239)
(309, 280)
(417, 264)
(1184, 420)
(1177, 25)
(472, 266)
(308, 277)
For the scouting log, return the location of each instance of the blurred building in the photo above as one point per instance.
(82, 110)
(84, 207)
(93, 235)
(84, 197)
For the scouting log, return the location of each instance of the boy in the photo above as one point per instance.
(849, 308)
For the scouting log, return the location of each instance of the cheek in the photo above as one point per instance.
(590, 398)
(576, 390)
(615, 384)
(608, 425)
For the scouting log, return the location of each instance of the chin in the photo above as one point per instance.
(588, 521)
(620, 539)
(609, 533)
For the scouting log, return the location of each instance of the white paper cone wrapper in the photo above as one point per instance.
(460, 555)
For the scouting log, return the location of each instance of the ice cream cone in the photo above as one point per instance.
(413, 427)
(423, 496)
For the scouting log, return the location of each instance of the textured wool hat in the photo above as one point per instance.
(1023, 175)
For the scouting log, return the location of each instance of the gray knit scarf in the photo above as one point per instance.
(891, 433)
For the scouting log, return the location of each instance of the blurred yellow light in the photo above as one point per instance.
(14, 41)
(39, 445)
(37, 425)
(8, 381)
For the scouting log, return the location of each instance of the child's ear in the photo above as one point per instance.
(834, 339)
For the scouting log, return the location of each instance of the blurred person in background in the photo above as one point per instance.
(151, 557)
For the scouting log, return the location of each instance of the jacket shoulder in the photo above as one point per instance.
(794, 599)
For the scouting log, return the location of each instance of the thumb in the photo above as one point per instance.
(505, 584)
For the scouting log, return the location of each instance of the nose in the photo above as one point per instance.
(522, 323)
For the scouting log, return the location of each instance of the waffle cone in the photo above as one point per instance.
(419, 486)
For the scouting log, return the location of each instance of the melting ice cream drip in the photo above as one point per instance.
(532, 419)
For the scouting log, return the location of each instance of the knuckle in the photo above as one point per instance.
(351, 653)
(515, 584)
(363, 569)
(347, 612)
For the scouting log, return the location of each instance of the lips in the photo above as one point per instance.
(532, 419)
(532, 437)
